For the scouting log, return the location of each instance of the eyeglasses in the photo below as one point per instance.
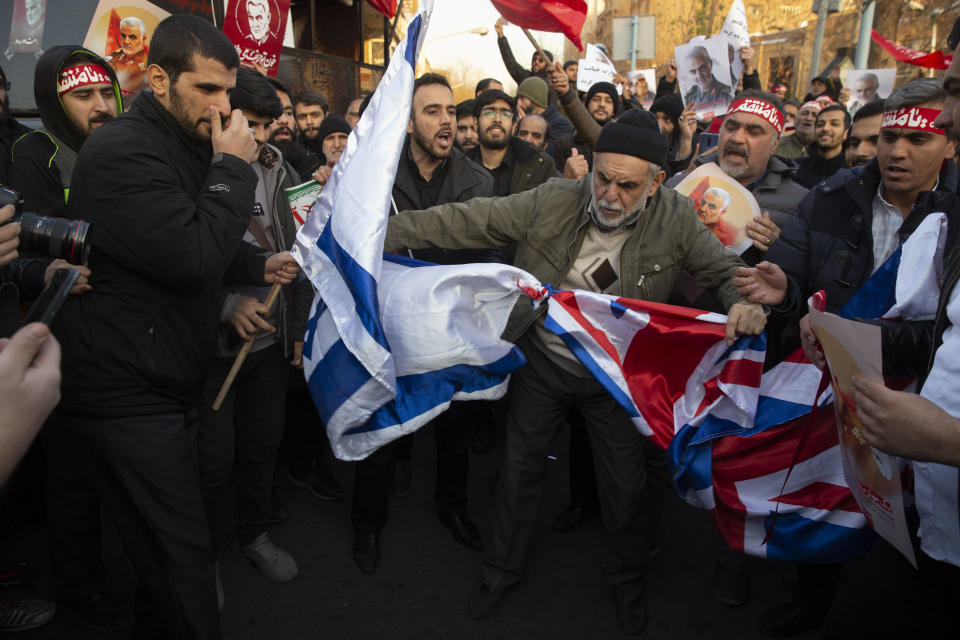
(506, 114)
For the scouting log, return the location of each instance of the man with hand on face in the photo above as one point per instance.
(603, 103)
(847, 227)
(169, 190)
(864, 135)
(332, 134)
(431, 171)
(283, 135)
(534, 130)
(513, 163)
(825, 156)
(619, 222)
(795, 146)
(248, 426)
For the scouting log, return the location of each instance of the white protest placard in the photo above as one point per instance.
(737, 34)
(853, 348)
(593, 68)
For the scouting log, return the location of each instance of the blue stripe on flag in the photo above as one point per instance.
(413, 33)
(800, 539)
(690, 467)
(406, 261)
(419, 393)
(336, 377)
(878, 294)
(595, 369)
(362, 285)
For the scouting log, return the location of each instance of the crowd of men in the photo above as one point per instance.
(190, 265)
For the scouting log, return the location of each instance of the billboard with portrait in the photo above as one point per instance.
(26, 28)
(120, 31)
(256, 29)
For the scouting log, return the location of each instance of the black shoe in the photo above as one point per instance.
(366, 552)
(572, 518)
(463, 529)
(733, 589)
(320, 482)
(632, 616)
(99, 612)
(485, 601)
(402, 478)
(789, 619)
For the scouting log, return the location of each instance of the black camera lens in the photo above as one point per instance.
(55, 237)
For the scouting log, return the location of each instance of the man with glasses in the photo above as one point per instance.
(514, 164)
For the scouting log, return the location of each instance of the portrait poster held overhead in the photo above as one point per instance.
(722, 204)
(703, 69)
(868, 85)
(645, 83)
(26, 27)
(853, 348)
(256, 28)
(120, 31)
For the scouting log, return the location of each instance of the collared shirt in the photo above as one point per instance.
(502, 174)
(886, 223)
(937, 485)
(428, 191)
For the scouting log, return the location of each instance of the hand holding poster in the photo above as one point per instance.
(853, 348)
(703, 70)
(256, 28)
(722, 204)
(644, 81)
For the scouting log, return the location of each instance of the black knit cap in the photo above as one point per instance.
(607, 88)
(670, 105)
(635, 133)
(333, 123)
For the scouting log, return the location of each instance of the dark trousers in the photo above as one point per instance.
(373, 475)
(304, 438)
(542, 395)
(73, 513)
(887, 598)
(146, 470)
(246, 431)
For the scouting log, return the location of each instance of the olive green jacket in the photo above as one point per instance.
(548, 224)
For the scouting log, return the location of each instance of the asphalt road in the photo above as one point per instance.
(421, 588)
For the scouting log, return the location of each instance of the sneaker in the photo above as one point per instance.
(21, 615)
(272, 561)
(320, 482)
(402, 480)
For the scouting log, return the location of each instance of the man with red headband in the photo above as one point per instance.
(76, 93)
(845, 230)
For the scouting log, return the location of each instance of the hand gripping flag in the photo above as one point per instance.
(743, 444)
(389, 346)
(561, 16)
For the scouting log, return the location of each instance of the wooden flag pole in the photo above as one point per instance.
(536, 45)
(235, 369)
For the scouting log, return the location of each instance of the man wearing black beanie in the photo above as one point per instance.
(603, 104)
(615, 232)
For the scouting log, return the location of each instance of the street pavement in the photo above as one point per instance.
(421, 588)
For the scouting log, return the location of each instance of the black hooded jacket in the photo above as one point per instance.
(167, 220)
(41, 159)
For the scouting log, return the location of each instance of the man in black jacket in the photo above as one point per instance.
(846, 228)
(825, 154)
(169, 193)
(431, 171)
(10, 129)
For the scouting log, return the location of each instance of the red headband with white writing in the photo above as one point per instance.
(758, 107)
(919, 118)
(80, 75)
(811, 104)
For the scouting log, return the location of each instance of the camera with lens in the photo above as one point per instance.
(48, 236)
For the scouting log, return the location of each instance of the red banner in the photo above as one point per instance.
(559, 16)
(386, 7)
(935, 60)
(256, 28)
